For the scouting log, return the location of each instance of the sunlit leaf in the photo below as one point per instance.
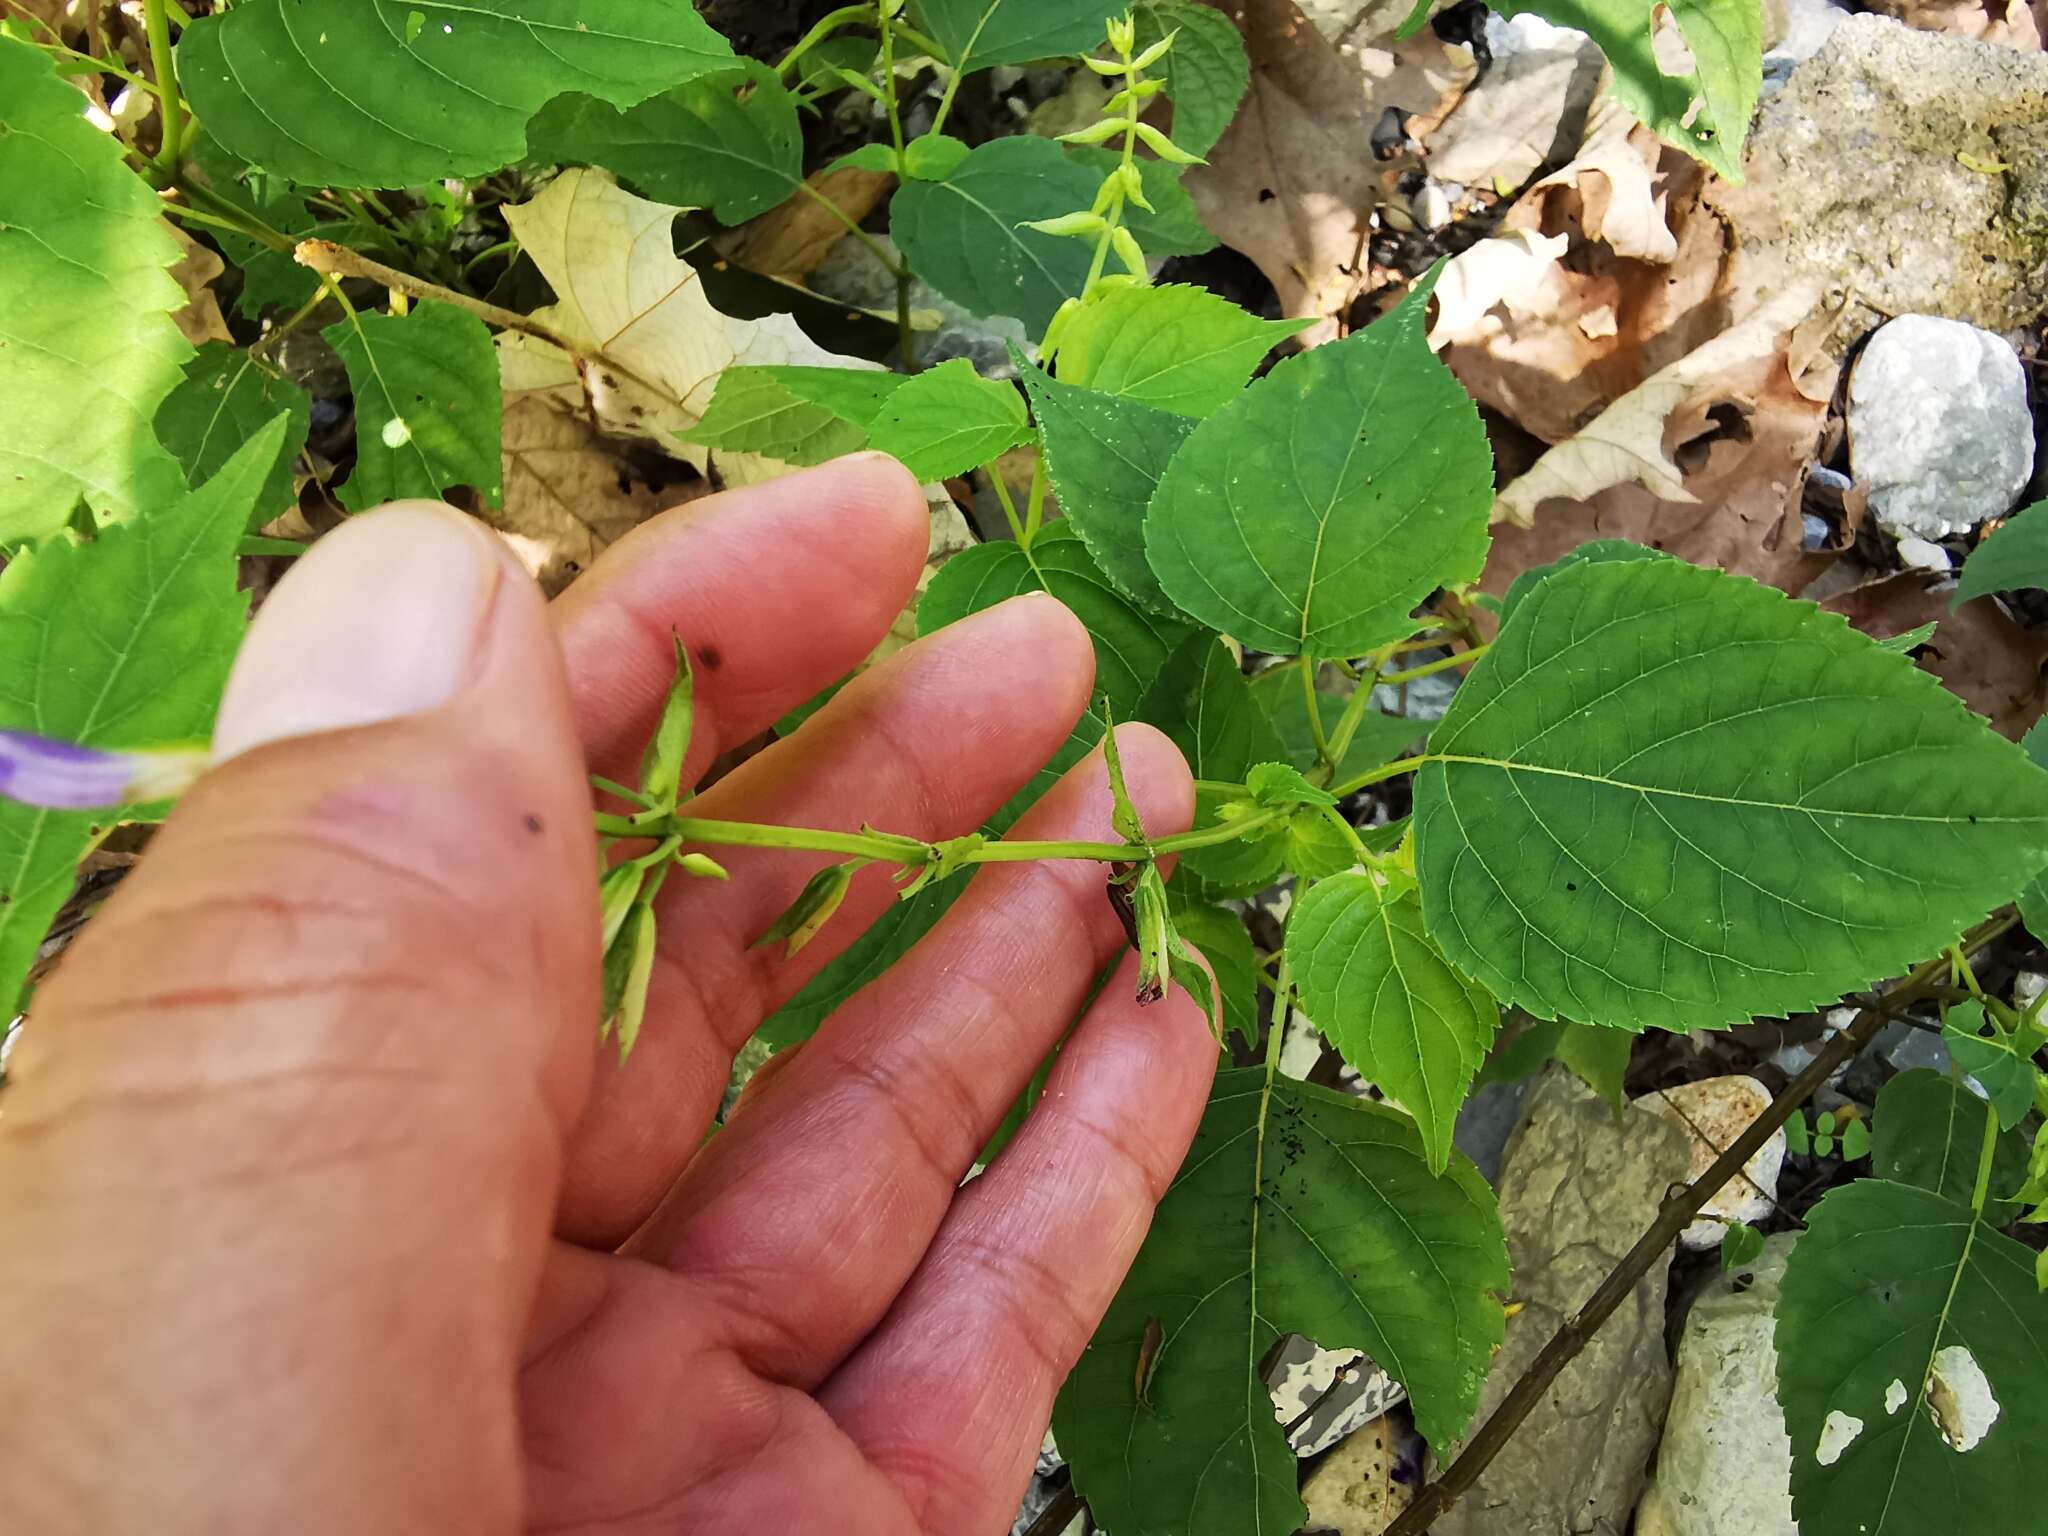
(948, 420)
(348, 93)
(1172, 347)
(428, 408)
(1671, 797)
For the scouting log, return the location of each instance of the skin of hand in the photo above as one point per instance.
(319, 1211)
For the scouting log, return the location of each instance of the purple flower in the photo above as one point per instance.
(63, 776)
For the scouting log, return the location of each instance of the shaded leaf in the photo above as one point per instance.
(1173, 347)
(428, 409)
(1386, 998)
(569, 492)
(964, 235)
(1297, 1210)
(125, 642)
(1311, 514)
(1131, 646)
(1378, 739)
(395, 105)
(224, 398)
(979, 33)
(1104, 456)
(1912, 1367)
(729, 141)
(2014, 556)
(1220, 935)
(1671, 797)
(1930, 1131)
(1206, 70)
(86, 328)
(1985, 1051)
(1741, 1244)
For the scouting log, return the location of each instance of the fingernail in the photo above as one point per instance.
(381, 619)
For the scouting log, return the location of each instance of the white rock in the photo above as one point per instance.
(1714, 1113)
(1923, 556)
(1939, 431)
(1808, 24)
(1431, 206)
(1725, 1465)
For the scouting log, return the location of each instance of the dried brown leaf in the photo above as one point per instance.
(793, 237)
(568, 493)
(1981, 655)
(200, 319)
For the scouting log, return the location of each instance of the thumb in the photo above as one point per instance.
(296, 1098)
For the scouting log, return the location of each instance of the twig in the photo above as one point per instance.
(326, 257)
(1059, 1514)
(1434, 1499)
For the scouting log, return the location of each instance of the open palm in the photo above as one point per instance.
(316, 1212)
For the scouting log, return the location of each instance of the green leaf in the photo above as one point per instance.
(1985, 1051)
(1901, 1321)
(729, 141)
(2014, 556)
(86, 329)
(1671, 797)
(963, 235)
(331, 92)
(1929, 1131)
(1379, 737)
(1297, 1210)
(979, 33)
(1131, 646)
(1389, 1002)
(1597, 1056)
(1797, 1137)
(1174, 347)
(1173, 227)
(799, 415)
(1741, 1244)
(1206, 70)
(1281, 784)
(933, 156)
(1855, 1141)
(887, 940)
(124, 642)
(1104, 456)
(1705, 111)
(1319, 843)
(947, 420)
(1312, 513)
(1592, 552)
(428, 410)
(2033, 897)
(661, 764)
(224, 398)
(1220, 935)
(1911, 640)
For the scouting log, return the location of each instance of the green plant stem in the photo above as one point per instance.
(1392, 770)
(995, 478)
(68, 55)
(881, 253)
(1654, 1246)
(829, 23)
(1034, 506)
(1441, 664)
(1981, 1190)
(158, 25)
(946, 98)
(1327, 758)
(906, 334)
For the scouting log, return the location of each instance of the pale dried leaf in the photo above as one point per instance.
(793, 237)
(650, 347)
(1508, 272)
(1615, 175)
(200, 320)
(1292, 183)
(568, 494)
(1979, 653)
(1627, 441)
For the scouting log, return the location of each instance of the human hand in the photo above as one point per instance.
(319, 1211)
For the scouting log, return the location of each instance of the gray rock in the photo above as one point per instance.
(853, 274)
(1940, 435)
(1579, 1186)
(1807, 24)
(1853, 176)
(1724, 1467)
(1485, 1122)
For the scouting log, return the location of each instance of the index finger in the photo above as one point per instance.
(776, 590)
